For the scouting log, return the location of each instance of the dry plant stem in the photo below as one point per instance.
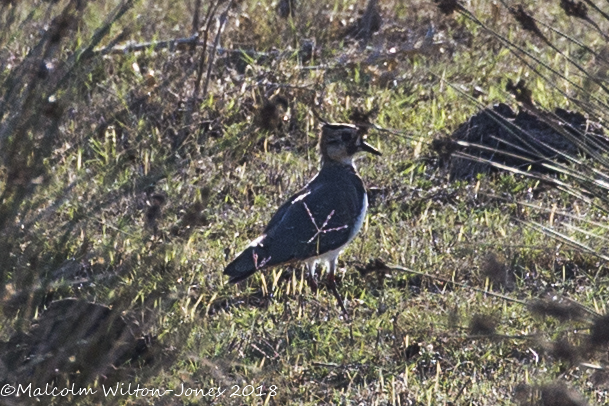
(529, 23)
(583, 105)
(573, 40)
(548, 210)
(111, 46)
(548, 120)
(579, 67)
(223, 18)
(80, 56)
(598, 10)
(597, 28)
(211, 11)
(190, 106)
(513, 48)
(101, 32)
(195, 25)
(401, 133)
(10, 19)
(195, 18)
(175, 43)
(563, 238)
(573, 190)
(497, 118)
(466, 384)
(592, 152)
(171, 43)
(497, 295)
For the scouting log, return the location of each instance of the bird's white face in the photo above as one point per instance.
(340, 142)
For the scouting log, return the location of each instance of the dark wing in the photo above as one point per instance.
(281, 211)
(255, 256)
(314, 221)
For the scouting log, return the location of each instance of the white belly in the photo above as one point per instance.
(359, 222)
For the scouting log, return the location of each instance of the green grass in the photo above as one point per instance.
(151, 193)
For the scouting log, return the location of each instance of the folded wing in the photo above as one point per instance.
(314, 221)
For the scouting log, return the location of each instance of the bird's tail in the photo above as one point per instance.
(246, 264)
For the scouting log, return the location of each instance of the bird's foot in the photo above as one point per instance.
(312, 281)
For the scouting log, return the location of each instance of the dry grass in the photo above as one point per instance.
(131, 178)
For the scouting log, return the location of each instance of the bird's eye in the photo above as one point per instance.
(346, 137)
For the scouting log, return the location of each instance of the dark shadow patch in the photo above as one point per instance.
(515, 139)
(76, 342)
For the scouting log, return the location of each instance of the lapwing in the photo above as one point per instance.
(319, 221)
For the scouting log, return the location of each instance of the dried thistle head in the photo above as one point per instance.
(155, 211)
(563, 350)
(286, 8)
(523, 394)
(482, 325)
(559, 310)
(369, 23)
(270, 113)
(496, 270)
(520, 92)
(527, 22)
(599, 332)
(559, 394)
(448, 7)
(574, 9)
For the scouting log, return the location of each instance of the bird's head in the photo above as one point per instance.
(340, 142)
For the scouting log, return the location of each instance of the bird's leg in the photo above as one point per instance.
(332, 285)
(312, 277)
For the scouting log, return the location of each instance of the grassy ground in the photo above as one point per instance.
(131, 179)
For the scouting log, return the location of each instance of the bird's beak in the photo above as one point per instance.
(364, 146)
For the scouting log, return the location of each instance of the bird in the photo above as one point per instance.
(315, 224)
